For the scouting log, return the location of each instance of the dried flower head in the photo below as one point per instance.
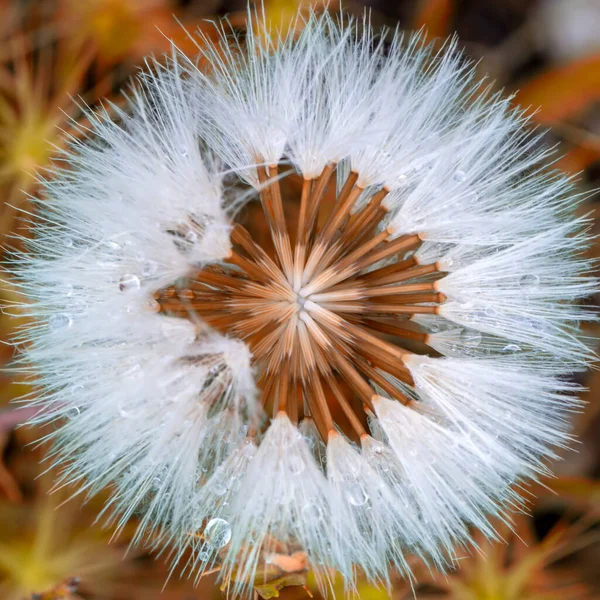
(409, 335)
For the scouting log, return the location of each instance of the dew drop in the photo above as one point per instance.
(156, 483)
(59, 321)
(249, 450)
(490, 311)
(529, 282)
(68, 242)
(125, 412)
(379, 449)
(470, 338)
(75, 390)
(217, 533)
(356, 494)
(511, 348)
(73, 412)
(191, 236)
(111, 252)
(459, 176)
(219, 489)
(129, 283)
(402, 180)
(204, 556)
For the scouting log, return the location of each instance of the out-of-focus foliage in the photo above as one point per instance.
(56, 55)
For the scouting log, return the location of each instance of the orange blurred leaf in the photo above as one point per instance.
(435, 16)
(564, 91)
(578, 159)
(580, 490)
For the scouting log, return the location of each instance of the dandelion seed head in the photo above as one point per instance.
(310, 399)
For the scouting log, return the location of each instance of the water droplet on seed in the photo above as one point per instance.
(217, 533)
(73, 412)
(219, 488)
(191, 237)
(490, 311)
(529, 282)
(511, 348)
(459, 176)
(129, 283)
(203, 556)
(356, 494)
(59, 321)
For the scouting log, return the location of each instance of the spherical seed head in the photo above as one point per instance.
(398, 293)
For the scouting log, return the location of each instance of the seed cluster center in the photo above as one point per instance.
(326, 310)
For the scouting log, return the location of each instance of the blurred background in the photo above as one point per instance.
(52, 51)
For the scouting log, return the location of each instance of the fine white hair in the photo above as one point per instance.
(169, 411)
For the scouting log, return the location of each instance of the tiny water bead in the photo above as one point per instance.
(129, 283)
(217, 533)
(125, 411)
(356, 494)
(511, 348)
(204, 556)
(111, 254)
(459, 176)
(73, 412)
(529, 282)
(59, 321)
(219, 488)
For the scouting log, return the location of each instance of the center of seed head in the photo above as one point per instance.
(323, 308)
(300, 301)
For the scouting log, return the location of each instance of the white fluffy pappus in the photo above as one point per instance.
(164, 328)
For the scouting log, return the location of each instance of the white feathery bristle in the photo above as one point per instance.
(282, 506)
(165, 411)
(525, 293)
(310, 432)
(367, 515)
(412, 536)
(516, 414)
(346, 62)
(432, 458)
(250, 96)
(208, 518)
(152, 419)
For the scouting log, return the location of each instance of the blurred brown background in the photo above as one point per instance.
(54, 50)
